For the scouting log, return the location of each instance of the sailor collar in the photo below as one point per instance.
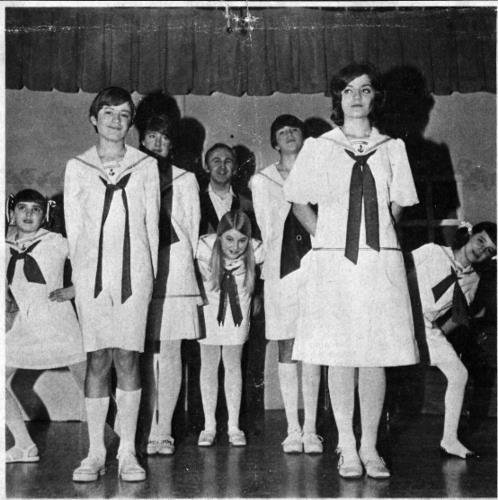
(373, 141)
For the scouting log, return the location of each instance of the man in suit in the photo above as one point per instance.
(221, 164)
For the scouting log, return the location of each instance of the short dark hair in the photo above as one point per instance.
(158, 112)
(28, 195)
(284, 121)
(111, 96)
(463, 235)
(345, 76)
(218, 145)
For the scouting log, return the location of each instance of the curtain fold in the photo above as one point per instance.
(188, 50)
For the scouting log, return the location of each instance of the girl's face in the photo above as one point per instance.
(357, 97)
(27, 216)
(479, 248)
(233, 244)
(157, 143)
(289, 140)
(113, 122)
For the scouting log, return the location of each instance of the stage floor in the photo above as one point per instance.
(409, 444)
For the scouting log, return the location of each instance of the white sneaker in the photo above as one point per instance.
(89, 470)
(129, 469)
(293, 443)
(312, 443)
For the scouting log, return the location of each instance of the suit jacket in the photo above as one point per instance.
(209, 219)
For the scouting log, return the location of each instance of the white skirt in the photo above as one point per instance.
(356, 315)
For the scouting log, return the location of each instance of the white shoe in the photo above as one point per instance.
(293, 443)
(237, 438)
(129, 469)
(206, 438)
(312, 443)
(89, 470)
(166, 446)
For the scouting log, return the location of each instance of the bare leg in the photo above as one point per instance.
(233, 383)
(210, 360)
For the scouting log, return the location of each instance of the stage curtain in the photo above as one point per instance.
(187, 50)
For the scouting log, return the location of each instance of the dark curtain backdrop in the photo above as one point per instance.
(188, 50)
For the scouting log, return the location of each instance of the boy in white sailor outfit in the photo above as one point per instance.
(111, 207)
(173, 312)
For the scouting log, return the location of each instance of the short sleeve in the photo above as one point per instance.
(402, 190)
(301, 185)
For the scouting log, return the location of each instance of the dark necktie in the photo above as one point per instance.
(362, 186)
(126, 276)
(31, 268)
(296, 243)
(459, 307)
(229, 287)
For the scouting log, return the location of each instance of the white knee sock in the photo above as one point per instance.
(341, 388)
(128, 403)
(96, 413)
(311, 384)
(210, 360)
(371, 390)
(168, 385)
(233, 383)
(287, 373)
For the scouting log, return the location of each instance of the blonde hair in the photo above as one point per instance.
(238, 220)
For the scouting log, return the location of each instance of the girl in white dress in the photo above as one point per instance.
(447, 283)
(111, 207)
(44, 333)
(285, 241)
(173, 312)
(357, 313)
(227, 262)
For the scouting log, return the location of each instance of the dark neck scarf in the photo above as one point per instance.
(126, 276)
(228, 287)
(167, 233)
(459, 307)
(362, 186)
(31, 268)
(296, 243)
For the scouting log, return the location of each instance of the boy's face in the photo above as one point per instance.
(113, 122)
(28, 216)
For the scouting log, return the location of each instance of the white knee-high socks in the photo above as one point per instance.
(128, 403)
(287, 373)
(96, 413)
(289, 387)
(311, 385)
(168, 380)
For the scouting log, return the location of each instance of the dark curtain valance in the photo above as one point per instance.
(188, 50)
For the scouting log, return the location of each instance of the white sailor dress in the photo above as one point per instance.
(173, 312)
(354, 313)
(281, 292)
(227, 333)
(434, 264)
(45, 334)
(114, 261)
